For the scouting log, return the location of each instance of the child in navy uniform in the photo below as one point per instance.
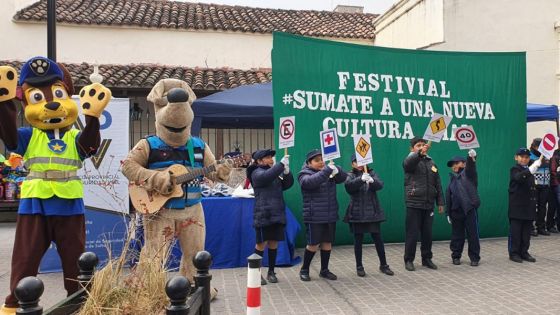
(542, 192)
(364, 214)
(522, 203)
(320, 210)
(462, 202)
(269, 181)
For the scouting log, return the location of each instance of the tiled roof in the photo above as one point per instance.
(145, 76)
(197, 16)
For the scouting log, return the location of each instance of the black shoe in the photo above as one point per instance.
(263, 281)
(386, 270)
(528, 257)
(304, 275)
(409, 265)
(271, 277)
(456, 261)
(474, 263)
(534, 233)
(553, 230)
(327, 275)
(543, 232)
(360, 271)
(515, 258)
(429, 263)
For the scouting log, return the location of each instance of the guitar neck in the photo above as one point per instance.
(194, 173)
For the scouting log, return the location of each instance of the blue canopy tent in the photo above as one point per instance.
(538, 112)
(247, 107)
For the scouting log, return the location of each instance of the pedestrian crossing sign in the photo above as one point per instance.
(362, 147)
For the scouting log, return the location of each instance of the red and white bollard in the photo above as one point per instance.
(254, 285)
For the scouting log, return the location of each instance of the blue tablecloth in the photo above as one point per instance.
(230, 236)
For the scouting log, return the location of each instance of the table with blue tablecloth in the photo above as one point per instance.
(230, 236)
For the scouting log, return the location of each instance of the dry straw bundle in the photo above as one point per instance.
(140, 290)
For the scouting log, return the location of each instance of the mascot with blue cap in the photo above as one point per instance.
(51, 208)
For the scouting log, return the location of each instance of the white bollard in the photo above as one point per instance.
(254, 285)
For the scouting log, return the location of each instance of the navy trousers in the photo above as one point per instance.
(459, 226)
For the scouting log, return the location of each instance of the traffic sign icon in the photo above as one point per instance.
(438, 125)
(287, 129)
(549, 141)
(287, 132)
(466, 138)
(362, 147)
(465, 135)
(548, 144)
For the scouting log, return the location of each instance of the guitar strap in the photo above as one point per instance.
(190, 150)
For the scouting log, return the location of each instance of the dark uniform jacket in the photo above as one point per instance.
(364, 205)
(462, 193)
(318, 191)
(269, 197)
(522, 194)
(422, 184)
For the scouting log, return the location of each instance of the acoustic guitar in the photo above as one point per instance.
(150, 202)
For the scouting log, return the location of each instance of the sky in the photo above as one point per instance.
(370, 6)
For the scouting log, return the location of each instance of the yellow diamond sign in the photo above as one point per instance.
(438, 125)
(362, 147)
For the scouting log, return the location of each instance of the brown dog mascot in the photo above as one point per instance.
(173, 144)
(51, 207)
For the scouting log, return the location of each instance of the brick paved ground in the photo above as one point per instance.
(497, 286)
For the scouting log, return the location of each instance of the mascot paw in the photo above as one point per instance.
(4, 310)
(94, 98)
(223, 171)
(162, 182)
(8, 83)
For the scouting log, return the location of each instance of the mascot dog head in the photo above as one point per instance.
(46, 89)
(172, 101)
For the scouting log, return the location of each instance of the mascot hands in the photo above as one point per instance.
(162, 182)
(8, 83)
(94, 98)
(223, 171)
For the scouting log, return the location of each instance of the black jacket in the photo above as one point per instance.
(319, 194)
(422, 184)
(522, 194)
(462, 192)
(364, 205)
(269, 197)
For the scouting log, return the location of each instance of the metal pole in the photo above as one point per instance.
(51, 29)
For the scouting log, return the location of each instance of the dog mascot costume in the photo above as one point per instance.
(146, 163)
(51, 206)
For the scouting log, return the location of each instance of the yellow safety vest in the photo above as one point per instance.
(52, 174)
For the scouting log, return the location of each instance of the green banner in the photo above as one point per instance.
(391, 94)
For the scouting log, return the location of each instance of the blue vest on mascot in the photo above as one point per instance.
(163, 155)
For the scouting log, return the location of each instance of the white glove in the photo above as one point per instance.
(448, 218)
(366, 178)
(286, 169)
(533, 168)
(472, 153)
(333, 168)
(285, 160)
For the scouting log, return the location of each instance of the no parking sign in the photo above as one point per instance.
(287, 132)
(466, 138)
